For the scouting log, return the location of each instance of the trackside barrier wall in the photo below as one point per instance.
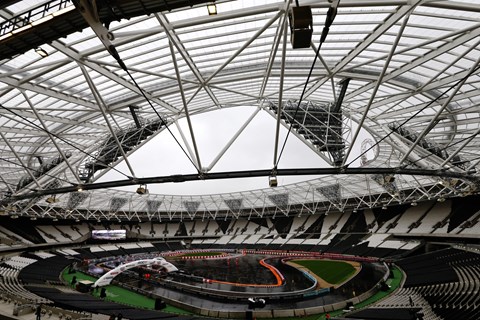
(279, 313)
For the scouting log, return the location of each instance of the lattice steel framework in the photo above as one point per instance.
(414, 90)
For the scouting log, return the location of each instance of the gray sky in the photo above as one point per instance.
(252, 150)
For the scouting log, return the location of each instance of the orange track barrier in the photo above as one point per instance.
(278, 276)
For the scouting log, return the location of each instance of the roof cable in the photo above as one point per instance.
(415, 114)
(330, 17)
(62, 139)
(113, 51)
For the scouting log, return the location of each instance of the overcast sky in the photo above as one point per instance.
(253, 150)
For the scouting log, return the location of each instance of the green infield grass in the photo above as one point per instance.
(334, 272)
(122, 295)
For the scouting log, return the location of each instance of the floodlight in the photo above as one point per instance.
(272, 181)
(42, 20)
(63, 11)
(142, 189)
(5, 36)
(212, 9)
(21, 29)
(41, 52)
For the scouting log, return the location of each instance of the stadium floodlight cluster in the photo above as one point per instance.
(332, 192)
(322, 125)
(116, 203)
(280, 200)
(428, 145)
(109, 151)
(45, 167)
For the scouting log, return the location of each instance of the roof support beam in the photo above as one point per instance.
(191, 153)
(44, 126)
(250, 174)
(461, 148)
(377, 86)
(185, 108)
(19, 159)
(48, 92)
(402, 11)
(460, 40)
(439, 113)
(9, 187)
(186, 57)
(244, 46)
(232, 140)
(91, 17)
(112, 76)
(423, 44)
(101, 106)
(280, 91)
(273, 53)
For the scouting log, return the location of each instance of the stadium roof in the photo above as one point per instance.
(82, 88)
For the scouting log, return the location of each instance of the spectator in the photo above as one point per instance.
(38, 312)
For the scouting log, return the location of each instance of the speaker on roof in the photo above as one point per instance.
(301, 27)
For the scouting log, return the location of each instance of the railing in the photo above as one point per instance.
(38, 13)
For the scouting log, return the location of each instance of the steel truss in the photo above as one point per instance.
(413, 69)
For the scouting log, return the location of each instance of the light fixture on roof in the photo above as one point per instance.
(272, 181)
(42, 20)
(384, 207)
(64, 10)
(33, 218)
(6, 35)
(142, 189)
(41, 52)
(301, 26)
(414, 203)
(21, 29)
(79, 188)
(212, 9)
